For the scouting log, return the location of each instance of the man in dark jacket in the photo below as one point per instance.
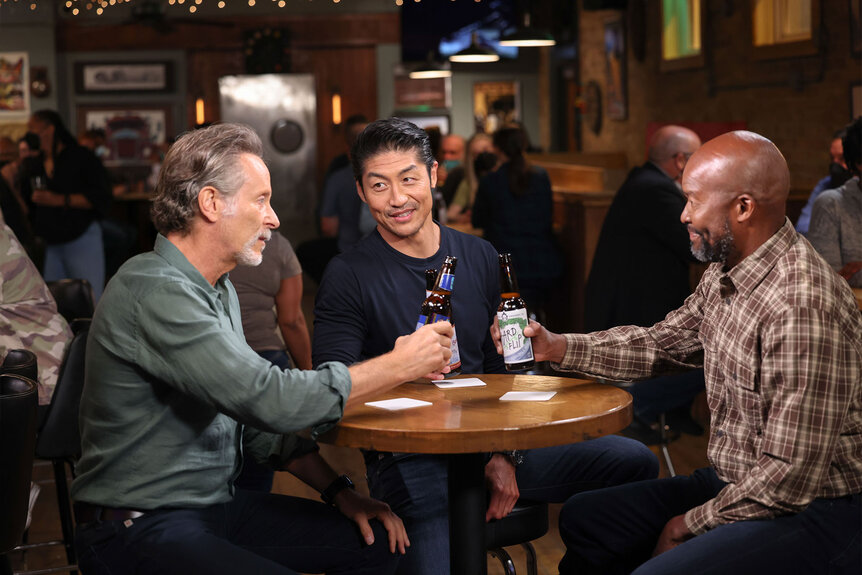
(640, 271)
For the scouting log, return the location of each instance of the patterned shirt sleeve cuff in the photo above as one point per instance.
(701, 519)
(577, 356)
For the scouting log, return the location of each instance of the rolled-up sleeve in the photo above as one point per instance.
(192, 347)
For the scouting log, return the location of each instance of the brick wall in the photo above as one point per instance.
(795, 102)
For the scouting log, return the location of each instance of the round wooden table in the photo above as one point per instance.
(468, 422)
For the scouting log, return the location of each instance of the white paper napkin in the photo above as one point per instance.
(527, 395)
(398, 403)
(466, 382)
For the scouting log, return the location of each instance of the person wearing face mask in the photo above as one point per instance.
(480, 159)
(836, 232)
(513, 207)
(838, 174)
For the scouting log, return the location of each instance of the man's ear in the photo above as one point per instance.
(210, 204)
(744, 207)
(434, 174)
(361, 192)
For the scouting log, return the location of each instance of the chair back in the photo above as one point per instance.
(20, 362)
(60, 437)
(18, 400)
(74, 298)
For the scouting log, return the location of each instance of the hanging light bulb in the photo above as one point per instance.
(528, 37)
(431, 69)
(474, 53)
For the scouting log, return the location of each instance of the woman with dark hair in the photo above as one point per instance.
(68, 192)
(513, 206)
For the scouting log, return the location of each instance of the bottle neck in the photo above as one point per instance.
(445, 280)
(508, 283)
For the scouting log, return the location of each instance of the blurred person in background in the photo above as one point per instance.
(65, 212)
(514, 207)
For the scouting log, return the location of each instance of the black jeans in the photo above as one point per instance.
(254, 533)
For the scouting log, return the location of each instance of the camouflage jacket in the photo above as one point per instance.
(28, 314)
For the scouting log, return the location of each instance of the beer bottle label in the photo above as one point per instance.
(447, 282)
(455, 360)
(423, 319)
(517, 347)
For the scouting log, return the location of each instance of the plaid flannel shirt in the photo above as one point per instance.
(780, 338)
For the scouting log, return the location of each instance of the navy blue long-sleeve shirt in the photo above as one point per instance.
(370, 296)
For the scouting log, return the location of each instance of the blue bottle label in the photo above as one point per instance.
(447, 282)
(423, 319)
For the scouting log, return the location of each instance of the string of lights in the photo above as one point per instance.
(78, 7)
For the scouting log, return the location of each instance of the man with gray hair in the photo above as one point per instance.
(174, 398)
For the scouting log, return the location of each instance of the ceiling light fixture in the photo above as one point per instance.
(431, 69)
(528, 37)
(474, 53)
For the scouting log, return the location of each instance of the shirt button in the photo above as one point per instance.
(719, 433)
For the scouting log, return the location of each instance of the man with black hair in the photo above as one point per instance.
(370, 296)
(836, 219)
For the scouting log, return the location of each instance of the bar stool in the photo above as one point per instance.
(527, 521)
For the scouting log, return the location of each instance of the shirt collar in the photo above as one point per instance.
(177, 259)
(747, 274)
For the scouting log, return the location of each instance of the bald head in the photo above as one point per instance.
(670, 148)
(736, 187)
(671, 140)
(743, 163)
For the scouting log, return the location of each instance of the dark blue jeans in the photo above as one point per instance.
(614, 531)
(254, 533)
(416, 488)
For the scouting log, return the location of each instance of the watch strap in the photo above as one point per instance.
(339, 484)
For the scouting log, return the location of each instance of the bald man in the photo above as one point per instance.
(640, 272)
(780, 338)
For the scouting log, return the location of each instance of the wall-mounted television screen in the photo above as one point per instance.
(447, 29)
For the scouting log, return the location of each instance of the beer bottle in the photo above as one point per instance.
(438, 306)
(512, 319)
(430, 280)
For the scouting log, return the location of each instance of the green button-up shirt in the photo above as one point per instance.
(170, 381)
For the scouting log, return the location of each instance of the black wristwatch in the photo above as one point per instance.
(340, 483)
(514, 456)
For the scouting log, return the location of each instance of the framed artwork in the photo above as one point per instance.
(681, 34)
(616, 107)
(114, 77)
(496, 104)
(420, 93)
(132, 133)
(14, 85)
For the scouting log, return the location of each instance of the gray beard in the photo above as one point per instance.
(719, 251)
(247, 256)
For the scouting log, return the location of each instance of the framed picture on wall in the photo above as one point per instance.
(114, 77)
(132, 133)
(496, 104)
(615, 70)
(14, 85)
